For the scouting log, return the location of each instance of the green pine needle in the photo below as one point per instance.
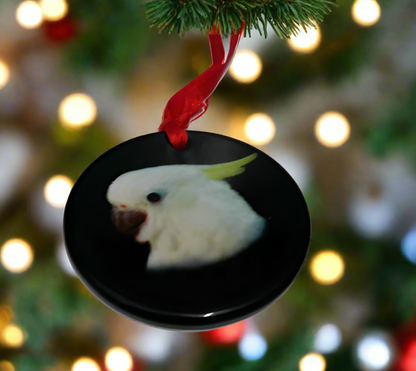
(287, 17)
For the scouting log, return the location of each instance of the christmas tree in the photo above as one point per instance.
(330, 98)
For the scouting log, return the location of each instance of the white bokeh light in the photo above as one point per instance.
(306, 42)
(118, 359)
(29, 15)
(252, 347)
(259, 129)
(312, 362)
(57, 190)
(328, 338)
(332, 129)
(374, 351)
(16, 255)
(54, 10)
(153, 345)
(246, 66)
(77, 110)
(366, 12)
(409, 246)
(4, 73)
(85, 364)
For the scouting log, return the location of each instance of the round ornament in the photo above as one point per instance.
(187, 230)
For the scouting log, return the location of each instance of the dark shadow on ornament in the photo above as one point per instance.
(113, 266)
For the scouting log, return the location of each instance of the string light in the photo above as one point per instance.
(366, 12)
(54, 10)
(409, 246)
(85, 364)
(327, 267)
(77, 110)
(4, 74)
(332, 129)
(374, 351)
(57, 190)
(6, 366)
(246, 66)
(16, 255)
(29, 15)
(259, 129)
(12, 336)
(252, 347)
(328, 338)
(306, 42)
(312, 362)
(118, 359)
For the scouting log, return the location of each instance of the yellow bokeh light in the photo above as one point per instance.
(57, 190)
(29, 15)
(246, 66)
(85, 364)
(327, 267)
(4, 74)
(6, 366)
(77, 110)
(332, 129)
(312, 362)
(12, 336)
(54, 10)
(16, 255)
(259, 129)
(118, 359)
(366, 12)
(306, 42)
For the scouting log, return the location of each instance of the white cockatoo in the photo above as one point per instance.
(188, 213)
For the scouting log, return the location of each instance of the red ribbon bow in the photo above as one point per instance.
(191, 101)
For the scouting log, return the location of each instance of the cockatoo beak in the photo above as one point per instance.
(128, 221)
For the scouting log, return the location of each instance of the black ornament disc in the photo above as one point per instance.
(260, 219)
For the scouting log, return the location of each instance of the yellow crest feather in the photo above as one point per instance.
(228, 169)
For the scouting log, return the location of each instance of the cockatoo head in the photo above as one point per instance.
(173, 206)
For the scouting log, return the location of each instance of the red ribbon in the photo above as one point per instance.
(191, 101)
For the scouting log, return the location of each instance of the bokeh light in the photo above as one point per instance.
(85, 364)
(12, 336)
(16, 255)
(332, 129)
(246, 66)
(29, 15)
(366, 12)
(312, 362)
(57, 190)
(328, 338)
(374, 351)
(409, 246)
(153, 345)
(77, 110)
(118, 359)
(306, 42)
(54, 10)
(226, 335)
(327, 267)
(408, 357)
(6, 366)
(259, 129)
(252, 347)
(4, 74)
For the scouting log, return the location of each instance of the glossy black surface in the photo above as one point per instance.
(112, 265)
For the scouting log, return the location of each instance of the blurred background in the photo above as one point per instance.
(335, 107)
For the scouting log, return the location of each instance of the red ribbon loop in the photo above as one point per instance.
(191, 101)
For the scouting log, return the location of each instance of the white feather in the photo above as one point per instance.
(198, 221)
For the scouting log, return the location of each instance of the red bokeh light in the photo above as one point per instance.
(225, 335)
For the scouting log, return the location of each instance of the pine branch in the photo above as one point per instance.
(286, 17)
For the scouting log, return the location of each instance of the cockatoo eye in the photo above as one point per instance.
(154, 197)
